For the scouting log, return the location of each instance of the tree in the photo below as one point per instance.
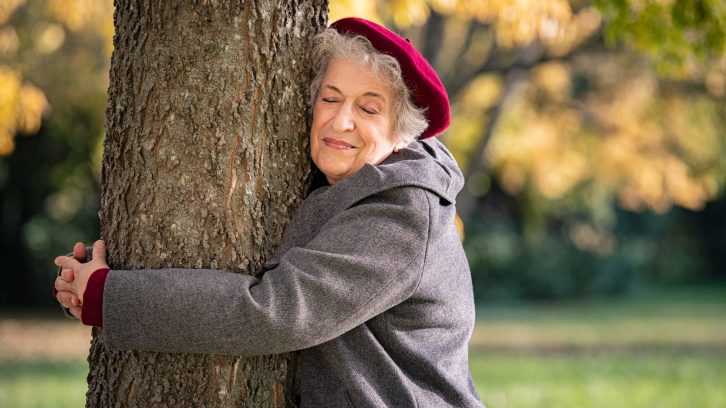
(205, 160)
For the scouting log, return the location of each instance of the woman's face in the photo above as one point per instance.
(352, 120)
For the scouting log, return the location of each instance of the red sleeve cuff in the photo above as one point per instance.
(92, 309)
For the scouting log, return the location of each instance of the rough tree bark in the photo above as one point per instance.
(205, 159)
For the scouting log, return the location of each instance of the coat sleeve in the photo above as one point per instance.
(362, 262)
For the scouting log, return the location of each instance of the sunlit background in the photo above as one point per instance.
(591, 133)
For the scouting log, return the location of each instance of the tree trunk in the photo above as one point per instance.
(205, 160)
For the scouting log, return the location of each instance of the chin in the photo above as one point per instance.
(333, 174)
(336, 173)
(334, 169)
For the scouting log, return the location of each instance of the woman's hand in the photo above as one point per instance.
(67, 299)
(71, 284)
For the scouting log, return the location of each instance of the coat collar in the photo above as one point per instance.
(425, 164)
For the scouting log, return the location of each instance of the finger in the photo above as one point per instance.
(75, 311)
(62, 285)
(63, 298)
(71, 299)
(68, 275)
(99, 251)
(67, 299)
(79, 252)
(66, 262)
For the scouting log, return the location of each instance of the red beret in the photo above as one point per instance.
(425, 86)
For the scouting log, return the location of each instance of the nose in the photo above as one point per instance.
(344, 121)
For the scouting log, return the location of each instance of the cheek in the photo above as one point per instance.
(314, 148)
(320, 118)
(381, 152)
(381, 144)
(316, 125)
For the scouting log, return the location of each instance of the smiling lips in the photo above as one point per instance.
(337, 144)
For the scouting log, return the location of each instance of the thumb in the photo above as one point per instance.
(99, 251)
(79, 252)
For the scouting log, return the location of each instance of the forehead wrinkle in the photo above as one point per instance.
(332, 88)
(373, 94)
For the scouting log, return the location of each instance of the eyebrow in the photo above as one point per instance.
(368, 93)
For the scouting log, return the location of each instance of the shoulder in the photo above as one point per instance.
(406, 196)
(399, 213)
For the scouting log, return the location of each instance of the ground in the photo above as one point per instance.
(656, 348)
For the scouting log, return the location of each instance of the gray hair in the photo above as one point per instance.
(409, 120)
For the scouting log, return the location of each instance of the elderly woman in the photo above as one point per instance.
(370, 283)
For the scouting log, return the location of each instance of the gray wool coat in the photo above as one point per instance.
(370, 284)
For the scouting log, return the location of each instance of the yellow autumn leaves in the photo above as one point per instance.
(649, 146)
(518, 22)
(22, 103)
(630, 137)
(21, 108)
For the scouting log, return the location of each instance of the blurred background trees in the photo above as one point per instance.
(54, 61)
(591, 134)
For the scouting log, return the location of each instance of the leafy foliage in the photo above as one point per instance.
(59, 51)
(673, 31)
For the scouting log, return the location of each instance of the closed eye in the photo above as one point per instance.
(330, 100)
(369, 111)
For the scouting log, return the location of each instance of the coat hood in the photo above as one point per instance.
(425, 163)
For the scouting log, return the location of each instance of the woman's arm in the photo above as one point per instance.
(364, 261)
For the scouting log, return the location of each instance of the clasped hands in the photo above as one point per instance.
(73, 279)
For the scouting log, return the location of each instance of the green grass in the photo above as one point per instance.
(601, 380)
(43, 384)
(662, 348)
(504, 380)
(673, 318)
